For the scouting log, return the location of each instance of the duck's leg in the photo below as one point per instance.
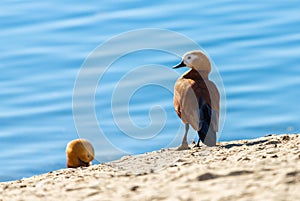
(184, 144)
(198, 143)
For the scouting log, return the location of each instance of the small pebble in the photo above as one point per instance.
(206, 176)
(286, 137)
(134, 188)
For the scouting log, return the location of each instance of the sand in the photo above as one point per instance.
(266, 168)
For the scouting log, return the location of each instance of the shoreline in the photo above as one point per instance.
(266, 168)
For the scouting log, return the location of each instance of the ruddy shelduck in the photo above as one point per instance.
(196, 99)
(80, 153)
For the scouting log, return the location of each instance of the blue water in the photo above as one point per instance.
(254, 46)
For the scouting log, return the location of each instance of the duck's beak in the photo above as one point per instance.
(180, 65)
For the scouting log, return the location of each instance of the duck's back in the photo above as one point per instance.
(191, 92)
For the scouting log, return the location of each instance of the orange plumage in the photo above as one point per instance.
(196, 99)
(80, 153)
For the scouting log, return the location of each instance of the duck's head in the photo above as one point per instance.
(196, 60)
(80, 152)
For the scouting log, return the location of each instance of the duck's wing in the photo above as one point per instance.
(186, 102)
(214, 104)
(208, 100)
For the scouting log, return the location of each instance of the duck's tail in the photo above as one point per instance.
(208, 137)
(207, 134)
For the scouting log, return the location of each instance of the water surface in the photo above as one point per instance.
(254, 45)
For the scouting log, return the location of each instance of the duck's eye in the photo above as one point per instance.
(189, 57)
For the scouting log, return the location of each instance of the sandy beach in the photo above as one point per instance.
(266, 168)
